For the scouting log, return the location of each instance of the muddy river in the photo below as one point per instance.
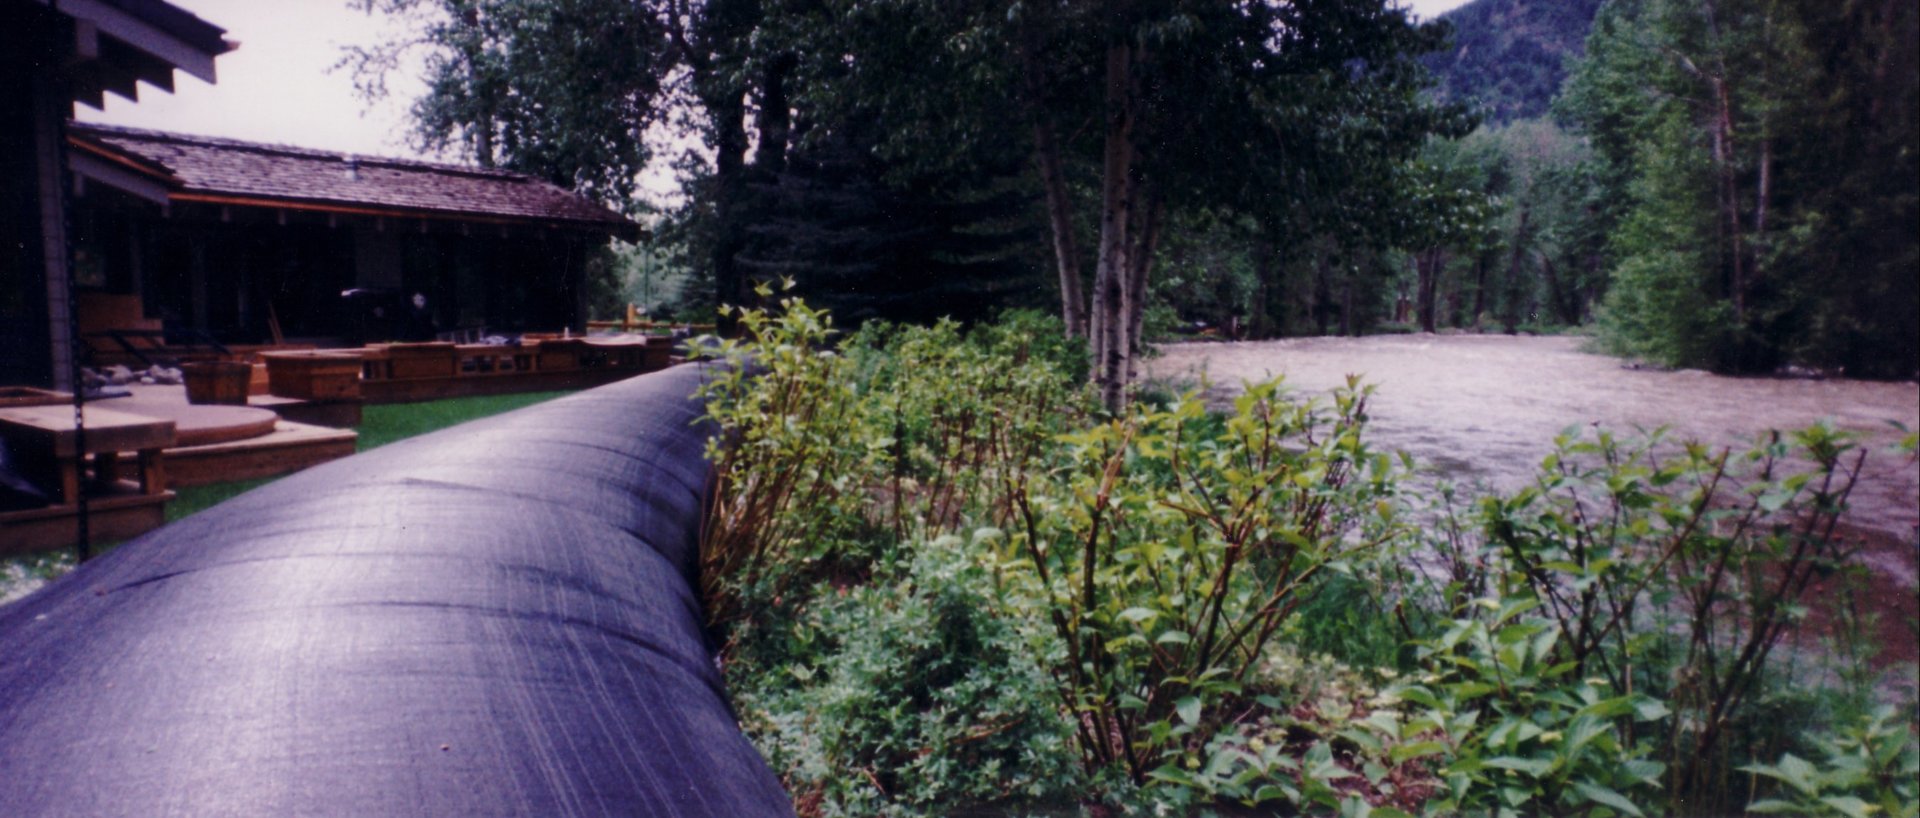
(1487, 407)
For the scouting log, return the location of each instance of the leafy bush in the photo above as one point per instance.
(911, 695)
(942, 580)
(876, 678)
(1168, 549)
(1522, 732)
(1626, 582)
(1870, 767)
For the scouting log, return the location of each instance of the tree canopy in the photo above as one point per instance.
(1132, 110)
(1113, 113)
(1760, 155)
(1725, 162)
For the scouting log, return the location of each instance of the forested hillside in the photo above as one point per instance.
(1509, 56)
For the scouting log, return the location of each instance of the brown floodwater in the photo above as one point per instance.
(1485, 408)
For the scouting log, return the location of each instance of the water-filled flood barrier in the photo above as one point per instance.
(493, 619)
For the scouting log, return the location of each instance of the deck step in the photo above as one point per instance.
(291, 447)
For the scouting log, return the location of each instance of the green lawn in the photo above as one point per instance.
(379, 425)
(387, 423)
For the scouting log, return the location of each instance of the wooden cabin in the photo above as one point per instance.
(53, 55)
(245, 243)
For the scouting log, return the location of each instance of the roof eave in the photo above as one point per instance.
(126, 41)
(624, 228)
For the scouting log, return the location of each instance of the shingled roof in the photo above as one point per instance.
(232, 172)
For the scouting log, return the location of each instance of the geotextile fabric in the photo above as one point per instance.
(494, 619)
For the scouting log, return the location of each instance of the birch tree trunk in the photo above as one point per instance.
(1116, 219)
(1053, 182)
(1066, 252)
(1148, 214)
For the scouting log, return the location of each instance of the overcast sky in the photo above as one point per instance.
(278, 86)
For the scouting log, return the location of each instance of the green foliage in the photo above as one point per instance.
(1658, 309)
(1325, 738)
(1521, 731)
(1207, 274)
(981, 593)
(782, 464)
(1146, 564)
(913, 694)
(643, 275)
(1169, 548)
(888, 677)
(506, 83)
(866, 240)
(1445, 211)
(1351, 618)
(1871, 767)
(1664, 578)
(1756, 154)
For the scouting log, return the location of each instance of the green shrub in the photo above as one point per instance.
(1649, 580)
(942, 581)
(879, 680)
(913, 694)
(1871, 767)
(1521, 732)
(1168, 549)
(784, 506)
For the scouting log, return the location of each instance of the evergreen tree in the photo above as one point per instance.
(1152, 107)
(1762, 154)
(867, 243)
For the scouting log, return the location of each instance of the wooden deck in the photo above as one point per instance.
(409, 373)
(117, 515)
(290, 447)
(221, 443)
(201, 444)
(48, 451)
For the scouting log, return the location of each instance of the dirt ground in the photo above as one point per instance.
(1486, 408)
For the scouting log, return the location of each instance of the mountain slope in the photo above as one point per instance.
(1510, 56)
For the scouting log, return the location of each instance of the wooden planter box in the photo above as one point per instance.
(559, 354)
(217, 382)
(313, 375)
(633, 355)
(659, 352)
(487, 359)
(428, 360)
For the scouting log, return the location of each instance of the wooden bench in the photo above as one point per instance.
(45, 439)
(49, 451)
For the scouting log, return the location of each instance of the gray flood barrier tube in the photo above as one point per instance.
(494, 619)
